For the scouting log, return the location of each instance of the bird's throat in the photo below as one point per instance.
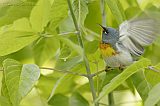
(106, 50)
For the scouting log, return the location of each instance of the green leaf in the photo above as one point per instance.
(70, 44)
(117, 10)
(91, 47)
(78, 100)
(9, 13)
(59, 12)
(18, 80)
(141, 84)
(39, 17)
(46, 49)
(59, 100)
(22, 24)
(80, 9)
(153, 77)
(153, 96)
(115, 82)
(68, 63)
(4, 101)
(135, 11)
(13, 41)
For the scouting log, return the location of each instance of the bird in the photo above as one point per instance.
(121, 47)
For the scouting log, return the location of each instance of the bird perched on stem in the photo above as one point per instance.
(120, 47)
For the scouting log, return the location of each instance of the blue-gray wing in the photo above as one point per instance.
(136, 33)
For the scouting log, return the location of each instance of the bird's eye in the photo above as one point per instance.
(106, 32)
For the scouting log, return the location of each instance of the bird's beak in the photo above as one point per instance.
(102, 27)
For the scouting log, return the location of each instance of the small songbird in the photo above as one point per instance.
(120, 47)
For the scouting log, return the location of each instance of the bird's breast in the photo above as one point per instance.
(107, 50)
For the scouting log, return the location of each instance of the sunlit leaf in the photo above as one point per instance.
(9, 13)
(70, 44)
(153, 77)
(22, 24)
(45, 49)
(117, 10)
(80, 9)
(68, 63)
(39, 17)
(13, 41)
(59, 100)
(78, 100)
(18, 80)
(115, 82)
(153, 96)
(59, 12)
(140, 82)
(4, 101)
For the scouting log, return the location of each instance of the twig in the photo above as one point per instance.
(67, 33)
(153, 69)
(84, 55)
(103, 12)
(97, 73)
(69, 72)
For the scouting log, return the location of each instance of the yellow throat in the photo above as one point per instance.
(106, 50)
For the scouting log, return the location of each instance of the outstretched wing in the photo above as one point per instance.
(136, 33)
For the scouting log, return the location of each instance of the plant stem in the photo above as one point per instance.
(90, 78)
(62, 71)
(110, 99)
(103, 13)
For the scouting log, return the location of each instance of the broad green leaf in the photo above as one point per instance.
(117, 10)
(13, 41)
(59, 100)
(55, 86)
(68, 63)
(153, 77)
(45, 49)
(18, 80)
(75, 100)
(153, 96)
(80, 8)
(4, 101)
(9, 13)
(59, 12)
(78, 100)
(70, 44)
(39, 17)
(141, 84)
(115, 82)
(22, 24)
(135, 11)
(91, 47)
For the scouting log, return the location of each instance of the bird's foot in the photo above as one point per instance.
(107, 69)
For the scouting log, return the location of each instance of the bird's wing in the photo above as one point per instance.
(136, 33)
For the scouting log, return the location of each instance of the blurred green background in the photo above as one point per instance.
(62, 53)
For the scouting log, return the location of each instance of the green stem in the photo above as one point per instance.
(103, 12)
(110, 99)
(90, 78)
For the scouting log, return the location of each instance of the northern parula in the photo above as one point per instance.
(119, 47)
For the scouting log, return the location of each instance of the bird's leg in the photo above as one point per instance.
(121, 67)
(107, 69)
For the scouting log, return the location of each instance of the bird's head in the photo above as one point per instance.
(109, 35)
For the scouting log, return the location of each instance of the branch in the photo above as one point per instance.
(97, 73)
(69, 72)
(84, 55)
(153, 69)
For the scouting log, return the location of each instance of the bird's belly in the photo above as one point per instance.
(123, 58)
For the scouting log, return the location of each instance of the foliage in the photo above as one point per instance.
(55, 58)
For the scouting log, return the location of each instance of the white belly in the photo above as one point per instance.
(123, 58)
